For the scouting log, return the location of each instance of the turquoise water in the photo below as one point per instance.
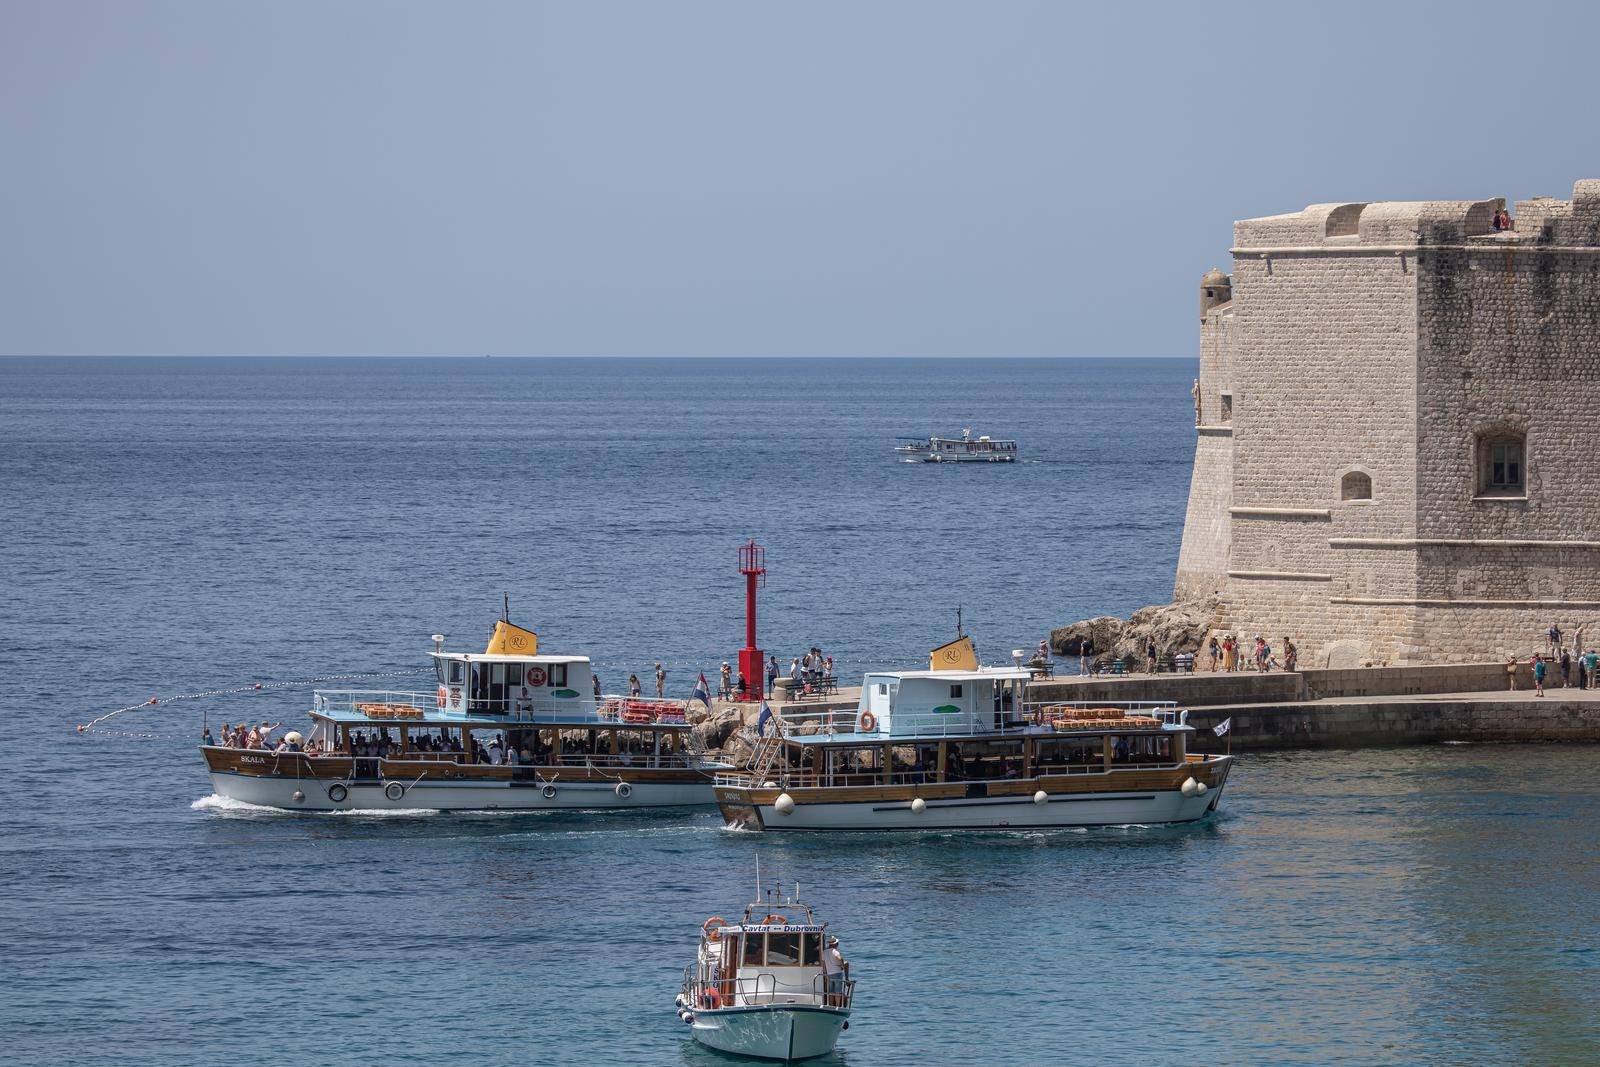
(190, 525)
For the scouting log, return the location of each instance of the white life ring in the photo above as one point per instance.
(337, 792)
(394, 790)
(624, 790)
(549, 792)
(868, 722)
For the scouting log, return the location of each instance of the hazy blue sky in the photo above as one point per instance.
(734, 178)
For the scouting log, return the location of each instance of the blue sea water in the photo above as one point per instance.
(180, 526)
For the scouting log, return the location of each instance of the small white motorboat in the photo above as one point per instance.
(773, 985)
(966, 449)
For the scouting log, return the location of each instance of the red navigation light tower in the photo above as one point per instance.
(752, 563)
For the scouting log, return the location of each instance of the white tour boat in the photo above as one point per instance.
(957, 747)
(772, 985)
(966, 449)
(509, 729)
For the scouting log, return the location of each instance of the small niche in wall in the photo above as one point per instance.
(1355, 485)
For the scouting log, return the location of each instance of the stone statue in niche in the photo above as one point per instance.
(1196, 393)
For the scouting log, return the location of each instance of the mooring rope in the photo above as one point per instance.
(299, 683)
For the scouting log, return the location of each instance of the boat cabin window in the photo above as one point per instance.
(558, 675)
(457, 672)
(883, 689)
(955, 692)
(810, 948)
(783, 950)
(755, 949)
(439, 669)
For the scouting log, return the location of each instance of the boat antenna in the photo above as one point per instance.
(506, 613)
(758, 876)
(959, 634)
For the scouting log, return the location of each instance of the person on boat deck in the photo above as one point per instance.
(833, 968)
(661, 680)
(496, 753)
(595, 678)
(633, 685)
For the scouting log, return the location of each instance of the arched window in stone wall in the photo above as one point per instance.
(1502, 463)
(1355, 485)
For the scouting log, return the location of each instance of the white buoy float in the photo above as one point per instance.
(1041, 797)
(784, 804)
(1199, 789)
(918, 806)
(1189, 787)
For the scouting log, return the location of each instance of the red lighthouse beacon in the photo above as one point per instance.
(752, 665)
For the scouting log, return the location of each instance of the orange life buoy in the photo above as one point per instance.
(712, 927)
(710, 998)
(868, 722)
(775, 920)
(443, 696)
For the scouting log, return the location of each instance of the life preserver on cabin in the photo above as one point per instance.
(775, 920)
(868, 722)
(536, 676)
(337, 792)
(624, 790)
(710, 998)
(712, 927)
(549, 792)
(394, 790)
(444, 696)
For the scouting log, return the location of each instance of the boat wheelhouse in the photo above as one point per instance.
(963, 749)
(773, 985)
(965, 449)
(509, 729)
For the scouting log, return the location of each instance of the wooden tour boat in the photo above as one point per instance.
(957, 747)
(509, 729)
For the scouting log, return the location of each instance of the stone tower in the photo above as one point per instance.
(1397, 410)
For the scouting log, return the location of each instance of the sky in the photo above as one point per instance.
(866, 178)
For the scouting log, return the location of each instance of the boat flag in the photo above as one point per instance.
(512, 640)
(702, 691)
(1223, 727)
(761, 720)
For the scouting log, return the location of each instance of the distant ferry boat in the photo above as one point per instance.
(966, 449)
(506, 730)
(957, 748)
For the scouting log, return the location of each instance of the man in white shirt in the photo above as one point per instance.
(833, 968)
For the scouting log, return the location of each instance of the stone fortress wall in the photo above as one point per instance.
(1397, 417)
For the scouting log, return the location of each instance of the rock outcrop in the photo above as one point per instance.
(1176, 628)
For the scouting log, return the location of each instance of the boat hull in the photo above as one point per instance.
(772, 1033)
(374, 795)
(1016, 809)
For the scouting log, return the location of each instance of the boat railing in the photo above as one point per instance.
(384, 704)
(763, 989)
(1047, 712)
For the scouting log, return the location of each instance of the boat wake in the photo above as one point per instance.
(227, 806)
(222, 805)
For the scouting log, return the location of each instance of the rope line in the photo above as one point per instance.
(301, 683)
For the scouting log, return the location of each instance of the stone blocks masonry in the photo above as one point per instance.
(1398, 421)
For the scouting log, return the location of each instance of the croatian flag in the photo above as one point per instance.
(702, 691)
(761, 720)
(1223, 727)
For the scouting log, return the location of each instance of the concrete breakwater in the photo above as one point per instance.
(1354, 707)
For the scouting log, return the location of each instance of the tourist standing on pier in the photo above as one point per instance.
(1538, 675)
(1511, 672)
(772, 673)
(1566, 668)
(661, 680)
(1554, 634)
(727, 680)
(1083, 656)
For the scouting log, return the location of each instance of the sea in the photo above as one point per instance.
(185, 529)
